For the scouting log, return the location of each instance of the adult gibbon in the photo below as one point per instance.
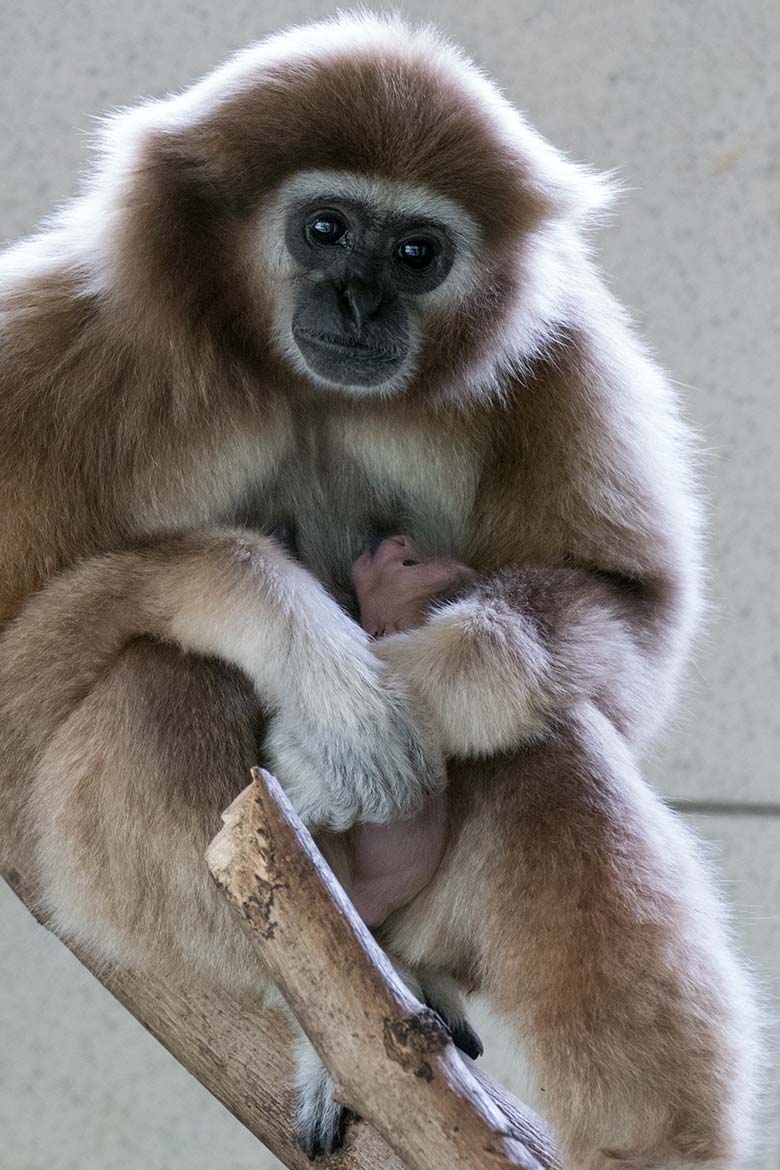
(340, 288)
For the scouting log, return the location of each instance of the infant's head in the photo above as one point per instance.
(397, 584)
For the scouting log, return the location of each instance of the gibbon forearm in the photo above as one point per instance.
(229, 593)
(527, 643)
(344, 738)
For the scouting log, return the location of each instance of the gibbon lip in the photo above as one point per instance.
(345, 344)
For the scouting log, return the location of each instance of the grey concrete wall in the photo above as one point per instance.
(682, 97)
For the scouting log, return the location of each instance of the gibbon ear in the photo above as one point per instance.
(141, 143)
(561, 189)
(152, 215)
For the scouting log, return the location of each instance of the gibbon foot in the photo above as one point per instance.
(466, 1039)
(321, 1121)
(442, 995)
(327, 1135)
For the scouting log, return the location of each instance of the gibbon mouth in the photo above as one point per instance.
(350, 347)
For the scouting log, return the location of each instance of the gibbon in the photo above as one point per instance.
(340, 289)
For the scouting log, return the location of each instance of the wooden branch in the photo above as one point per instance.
(242, 1056)
(391, 1059)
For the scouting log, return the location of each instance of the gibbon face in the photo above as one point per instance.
(365, 262)
(361, 269)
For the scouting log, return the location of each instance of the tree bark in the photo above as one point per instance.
(390, 1058)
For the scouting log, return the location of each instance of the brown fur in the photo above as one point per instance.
(144, 407)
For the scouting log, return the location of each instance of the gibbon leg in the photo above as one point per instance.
(126, 797)
(123, 803)
(580, 904)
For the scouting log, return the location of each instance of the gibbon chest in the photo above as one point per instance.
(346, 482)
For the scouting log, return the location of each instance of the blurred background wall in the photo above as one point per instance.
(680, 95)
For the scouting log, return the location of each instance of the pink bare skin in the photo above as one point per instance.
(397, 585)
(383, 867)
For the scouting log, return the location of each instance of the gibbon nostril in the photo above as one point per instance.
(362, 299)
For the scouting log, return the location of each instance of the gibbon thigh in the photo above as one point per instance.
(579, 903)
(125, 800)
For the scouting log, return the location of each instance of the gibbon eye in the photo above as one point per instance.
(326, 228)
(418, 252)
(408, 563)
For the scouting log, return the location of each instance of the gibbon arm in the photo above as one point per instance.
(495, 666)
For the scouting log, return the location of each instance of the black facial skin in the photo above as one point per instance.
(360, 270)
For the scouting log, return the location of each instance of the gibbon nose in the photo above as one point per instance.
(361, 301)
(393, 548)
